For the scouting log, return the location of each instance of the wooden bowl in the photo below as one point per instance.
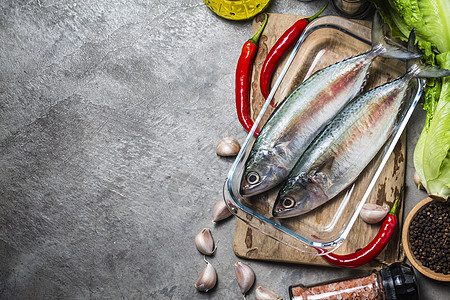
(407, 247)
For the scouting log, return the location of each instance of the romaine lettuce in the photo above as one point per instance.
(431, 21)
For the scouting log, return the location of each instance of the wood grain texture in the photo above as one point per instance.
(250, 243)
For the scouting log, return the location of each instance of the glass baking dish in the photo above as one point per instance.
(325, 41)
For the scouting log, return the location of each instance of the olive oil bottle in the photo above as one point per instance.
(237, 9)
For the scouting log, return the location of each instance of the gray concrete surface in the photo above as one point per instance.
(110, 113)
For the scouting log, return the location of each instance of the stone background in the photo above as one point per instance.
(110, 112)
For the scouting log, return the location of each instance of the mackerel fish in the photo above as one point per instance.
(346, 146)
(305, 112)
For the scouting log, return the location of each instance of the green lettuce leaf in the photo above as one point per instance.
(432, 152)
(436, 23)
(431, 21)
(439, 132)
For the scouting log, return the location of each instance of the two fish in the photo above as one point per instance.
(346, 146)
(300, 118)
(305, 112)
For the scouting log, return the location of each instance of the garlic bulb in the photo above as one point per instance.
(228, 146)
(204, 242)
(244, 275)
(261, 293)
(418, 181)
(207, 279)
(220, 211)
(373, 213)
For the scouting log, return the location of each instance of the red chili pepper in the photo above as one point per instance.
(286, 41)
(243, 79)
(371, 251)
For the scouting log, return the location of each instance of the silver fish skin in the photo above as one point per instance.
(346, 146)
(306, 111)
(342, 151)
(299, 118)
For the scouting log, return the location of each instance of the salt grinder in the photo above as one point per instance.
(396, 282)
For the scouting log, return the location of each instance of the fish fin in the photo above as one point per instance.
(280, 148)
(326, 165)
(427, 71)
(417, 68)
(412, 48)
(379, 42)
(323, 168)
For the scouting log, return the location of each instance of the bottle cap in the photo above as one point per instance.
(399, 282)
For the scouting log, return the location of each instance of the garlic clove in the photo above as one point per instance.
(418, 181)
(244, 275)
(220, 211)
(207, 279)
(204, 242)
(228, 146)
(261, 293)
(373, 213)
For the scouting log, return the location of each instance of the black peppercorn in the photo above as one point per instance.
(429, 235)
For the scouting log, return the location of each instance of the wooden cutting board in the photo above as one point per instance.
(250, 243)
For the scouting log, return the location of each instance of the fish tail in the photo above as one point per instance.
(415, 66)
(381, 47)
(428, 71)
(412, 47)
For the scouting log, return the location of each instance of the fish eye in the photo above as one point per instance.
(288, 202)
(252, 178)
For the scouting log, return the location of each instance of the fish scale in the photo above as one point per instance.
(305, 112)
(301, 116)
(344, 148)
